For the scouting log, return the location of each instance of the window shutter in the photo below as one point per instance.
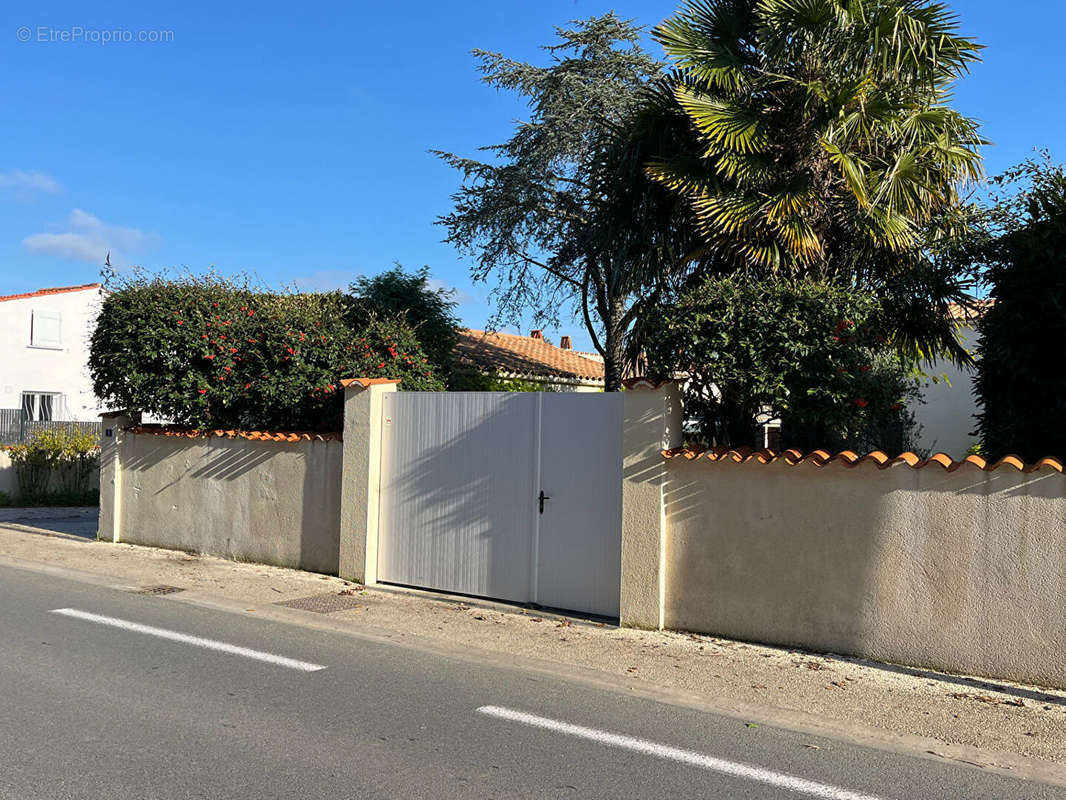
(46, 329)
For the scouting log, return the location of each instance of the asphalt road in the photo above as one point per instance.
(130, 696)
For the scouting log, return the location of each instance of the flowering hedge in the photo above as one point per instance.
(213, 352)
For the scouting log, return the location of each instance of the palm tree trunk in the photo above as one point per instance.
(613, 346)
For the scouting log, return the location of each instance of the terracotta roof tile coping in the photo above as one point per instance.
(366, 382)
(849, 458)
(261, 436)
(56, 290)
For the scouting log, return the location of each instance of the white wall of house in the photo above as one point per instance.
(947, 413)
(44, 351)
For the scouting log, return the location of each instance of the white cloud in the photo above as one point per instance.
(90, 239)
(26, 183)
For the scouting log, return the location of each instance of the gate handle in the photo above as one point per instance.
(541, 499)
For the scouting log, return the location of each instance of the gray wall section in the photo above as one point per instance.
(263, 501)
(962, 571)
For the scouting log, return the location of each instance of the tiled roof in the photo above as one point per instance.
(262, 436)
(44, 292)
(971, 312)
(524, 356)
(848, 458)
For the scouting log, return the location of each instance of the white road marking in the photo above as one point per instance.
(184, 638)
(689, 757)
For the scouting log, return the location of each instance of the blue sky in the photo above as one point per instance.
(291, 140)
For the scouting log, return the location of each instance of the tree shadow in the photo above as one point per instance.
(457, 492)
(268, 501)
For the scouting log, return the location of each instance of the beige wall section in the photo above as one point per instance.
(962, 571)
(8, 482)
(362, 471)
(250, 500)
(651, 422)
(112, 435)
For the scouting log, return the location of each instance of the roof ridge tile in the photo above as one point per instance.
(51, 291)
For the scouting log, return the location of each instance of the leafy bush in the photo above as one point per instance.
(55, 461)
(212, 352)
(1021, 392)
(430, 312)
(473, 381)
(813, 354)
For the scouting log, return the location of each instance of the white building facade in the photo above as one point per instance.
(44, 353)
(948, 409)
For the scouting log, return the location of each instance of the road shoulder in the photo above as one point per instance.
(993, 725)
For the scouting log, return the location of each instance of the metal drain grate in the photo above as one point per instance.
(322, 603)
(162, 589)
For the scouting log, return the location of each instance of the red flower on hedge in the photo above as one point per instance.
(862, 403)
(180, 322)
(203, 391)
(866, 367)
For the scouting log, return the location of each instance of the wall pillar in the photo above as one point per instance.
(112, 437)
(651, 423)
(360, 477)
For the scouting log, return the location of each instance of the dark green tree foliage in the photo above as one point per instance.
(562, 215)
(811, 354)
(215, 353)
(429, 312)
(1021, 375)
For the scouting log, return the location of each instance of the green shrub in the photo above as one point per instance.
(216, 353)
(430, 312)
(54, 461)
(1022, 394)
(473, 381)
(815, 355)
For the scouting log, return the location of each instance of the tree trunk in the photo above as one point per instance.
(613, 346)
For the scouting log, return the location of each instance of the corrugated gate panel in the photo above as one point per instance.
(579, 541)
(458, 492)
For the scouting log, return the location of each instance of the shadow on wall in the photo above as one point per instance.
(962, 571)
(276, 502)
(320, 533)
(458, 517)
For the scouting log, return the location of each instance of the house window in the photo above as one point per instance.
(41, 406)
(46, 329)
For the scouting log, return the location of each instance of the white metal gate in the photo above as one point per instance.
(462, 476)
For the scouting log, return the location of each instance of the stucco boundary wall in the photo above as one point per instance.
(269, 499)
(960, 568)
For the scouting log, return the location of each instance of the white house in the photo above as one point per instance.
(948, 408)
(44, 342)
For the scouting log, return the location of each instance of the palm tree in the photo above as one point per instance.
(827, 146)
